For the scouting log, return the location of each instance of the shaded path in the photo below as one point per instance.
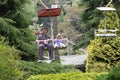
(73, 59)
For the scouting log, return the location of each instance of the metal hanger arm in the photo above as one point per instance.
(109, 3)
(43, 5)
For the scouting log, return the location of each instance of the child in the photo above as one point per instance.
(59, 41)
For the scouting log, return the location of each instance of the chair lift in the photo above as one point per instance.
(52, 12)
(106, 32)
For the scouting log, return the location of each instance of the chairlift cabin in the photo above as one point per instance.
(106, 32)
(52, 12)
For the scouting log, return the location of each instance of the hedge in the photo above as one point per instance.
(66, 76)
(35, 68)
(8, 62)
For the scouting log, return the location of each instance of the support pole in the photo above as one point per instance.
(54, 33)
(51, 26)
(105, 23)
(55, 23)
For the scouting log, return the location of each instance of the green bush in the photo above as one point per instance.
(98, 67)
(66, 76)
(79, 52)
(8, 65)
(102, 77)
(104, 52)
(114, 74)
(35, 68)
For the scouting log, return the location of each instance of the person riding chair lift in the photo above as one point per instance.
(45, 40)
(44, 44)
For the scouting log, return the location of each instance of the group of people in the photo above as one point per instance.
(44, 41)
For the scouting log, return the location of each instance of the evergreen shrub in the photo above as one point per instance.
(114, 74)
(8, 65)
(66, 76)
(35, 68)
(104, 52)
(102, 77)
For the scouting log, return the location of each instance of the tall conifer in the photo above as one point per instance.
(14, 22)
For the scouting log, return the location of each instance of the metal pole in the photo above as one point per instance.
(105, 23)
(109, 3)
(54, 30)
(51, 26)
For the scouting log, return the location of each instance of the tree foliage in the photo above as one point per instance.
(35, 68)
(14, 22)
(90, 18)
(8, 62)
(114, 73)
(66, 76)
(104, 52)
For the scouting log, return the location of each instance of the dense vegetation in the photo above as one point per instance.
(35, 68)
(8, 65)
(105, 51)
(18, 41)
(65, 76)
(113, 74)
(14, 21)
(89, 19)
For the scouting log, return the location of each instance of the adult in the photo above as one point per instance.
(44, 41)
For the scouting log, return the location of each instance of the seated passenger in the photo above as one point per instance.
(59, 41)
(44, 41)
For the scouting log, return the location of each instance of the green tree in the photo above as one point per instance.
(90, 18)
(88, 21)
(104, 52)
(15, 18)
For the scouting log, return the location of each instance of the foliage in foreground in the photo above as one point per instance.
(35, 68)
(103, 55)
(8, 66)
(113, 74)
(66, 76)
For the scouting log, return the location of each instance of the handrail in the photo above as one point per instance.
(106, 32)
